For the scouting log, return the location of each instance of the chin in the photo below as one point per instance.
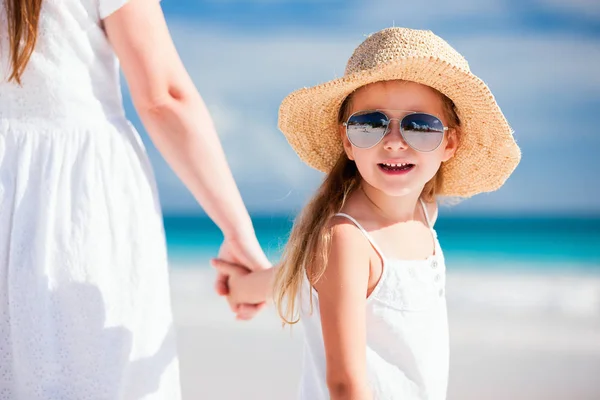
(395, 189)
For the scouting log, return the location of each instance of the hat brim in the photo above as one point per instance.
(487, 153)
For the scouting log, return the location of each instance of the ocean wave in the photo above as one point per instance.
(551, 291)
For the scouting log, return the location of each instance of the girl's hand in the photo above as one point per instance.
(240, 296)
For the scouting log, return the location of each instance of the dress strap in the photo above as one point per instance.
(364, 232)
(436, 243)
(425, 212)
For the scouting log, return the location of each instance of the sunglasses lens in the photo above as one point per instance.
(422, 132)
(366, 130)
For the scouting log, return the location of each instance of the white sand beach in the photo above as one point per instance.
(526, 336)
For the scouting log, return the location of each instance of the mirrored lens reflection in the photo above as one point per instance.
(422, 132)
(366, 130)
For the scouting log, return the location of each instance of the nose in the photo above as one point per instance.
(393, 140)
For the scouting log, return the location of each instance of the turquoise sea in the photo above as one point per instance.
(569, 244)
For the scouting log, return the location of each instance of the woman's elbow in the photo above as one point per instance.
(157, 101)
(155, 105)
(348, 389)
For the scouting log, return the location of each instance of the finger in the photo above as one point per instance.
(248, 311)
(244, 316)
(221, 288)
(245, 312)
(235, 308)
(223, 263)
(221, 284)
(227, 268)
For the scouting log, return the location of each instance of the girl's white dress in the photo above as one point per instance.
(407, 331)
(84, 298)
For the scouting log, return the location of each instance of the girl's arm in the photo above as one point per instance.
(342, 296)
(245, 286)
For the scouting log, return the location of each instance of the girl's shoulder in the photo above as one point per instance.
(348, 258)
(345, 230)
(348, 236)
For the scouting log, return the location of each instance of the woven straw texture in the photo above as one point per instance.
(487, 154)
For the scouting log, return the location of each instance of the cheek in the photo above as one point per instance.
(364, 156)
(431, 162)
(365, 160)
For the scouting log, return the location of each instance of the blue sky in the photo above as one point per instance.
(540, 58)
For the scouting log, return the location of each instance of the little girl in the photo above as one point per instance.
(363, 270)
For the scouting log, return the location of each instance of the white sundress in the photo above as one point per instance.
(85, 310)
(407, 349)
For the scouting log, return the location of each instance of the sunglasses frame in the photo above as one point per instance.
(387, 129)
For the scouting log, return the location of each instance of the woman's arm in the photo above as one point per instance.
(342, 299)
(176, 117)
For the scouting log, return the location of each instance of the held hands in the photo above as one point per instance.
(237, 258)
(233, 275)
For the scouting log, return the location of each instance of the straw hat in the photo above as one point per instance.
(487, 154)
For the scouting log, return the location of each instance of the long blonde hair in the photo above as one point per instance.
(23, 20)
(307, 250)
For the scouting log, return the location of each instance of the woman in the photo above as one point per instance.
(84, 299)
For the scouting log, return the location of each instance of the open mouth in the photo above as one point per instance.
(400, 167)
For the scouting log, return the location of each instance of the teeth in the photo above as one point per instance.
(395, 165)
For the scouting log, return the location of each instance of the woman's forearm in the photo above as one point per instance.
(183, 131)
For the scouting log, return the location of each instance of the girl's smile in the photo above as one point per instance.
(396, 167)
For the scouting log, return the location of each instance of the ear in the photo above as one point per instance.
(451, 144)
(346, 142)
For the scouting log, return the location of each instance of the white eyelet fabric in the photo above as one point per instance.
(407, 332)
(85, 309)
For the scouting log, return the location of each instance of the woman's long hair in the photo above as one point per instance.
(23, 17)
(307, 251)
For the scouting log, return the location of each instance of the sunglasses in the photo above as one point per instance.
(421, 131)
